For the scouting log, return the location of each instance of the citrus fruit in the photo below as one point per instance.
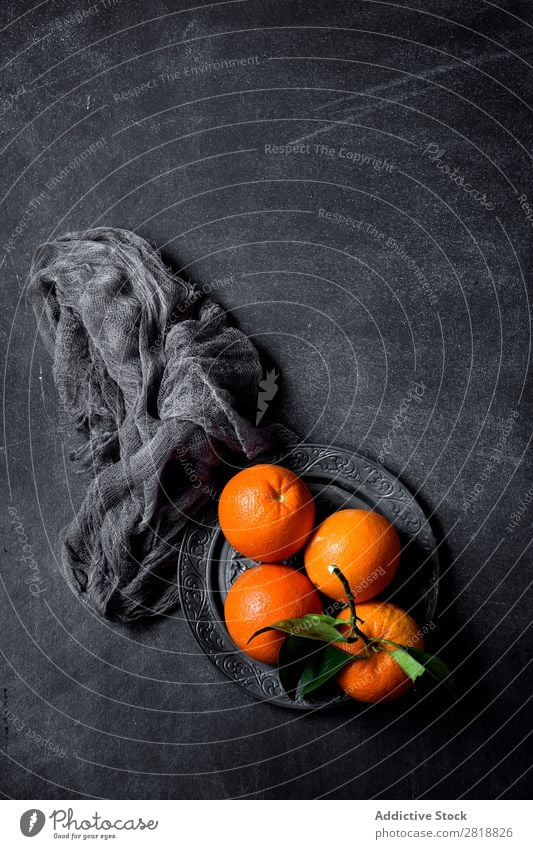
(260, 597)
(266, 512)
(378, 678)
(365, 547)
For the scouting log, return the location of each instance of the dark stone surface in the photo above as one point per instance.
(352, 321)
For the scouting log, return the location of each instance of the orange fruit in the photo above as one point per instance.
(264, 595)
(379, 678)
(266, 512)
(365, 547)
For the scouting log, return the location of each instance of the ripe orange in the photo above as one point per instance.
(378, 678)
(266, 512)
(365, 547)
(264, 595)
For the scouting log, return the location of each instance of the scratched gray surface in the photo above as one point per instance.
(415, 126)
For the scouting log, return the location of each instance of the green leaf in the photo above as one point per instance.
(409, 664)
(323, 666)
(327, 620)
(430, 662)
(435, 667)
(312, 626)
(292, 657)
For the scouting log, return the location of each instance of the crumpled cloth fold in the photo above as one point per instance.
(156, 379)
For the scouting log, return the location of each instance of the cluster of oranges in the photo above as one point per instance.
(267, 513)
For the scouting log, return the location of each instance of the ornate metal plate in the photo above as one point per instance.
(208, 565)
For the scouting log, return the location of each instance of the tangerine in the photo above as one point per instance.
(266, 512)
(365, 547)
(378, 677)
(261, 596)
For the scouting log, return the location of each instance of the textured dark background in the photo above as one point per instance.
(91, 709)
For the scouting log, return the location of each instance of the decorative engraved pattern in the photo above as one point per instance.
(236, 566)
(200, 579)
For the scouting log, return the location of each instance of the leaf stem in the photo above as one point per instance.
(351, 602)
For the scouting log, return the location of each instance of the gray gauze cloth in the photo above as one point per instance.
(154, 377)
